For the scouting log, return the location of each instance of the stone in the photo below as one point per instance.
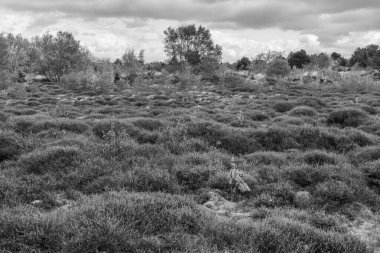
(36, 202)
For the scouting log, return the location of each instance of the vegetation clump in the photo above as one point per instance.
(347, 117)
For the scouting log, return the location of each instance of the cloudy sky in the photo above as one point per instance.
(242, 27)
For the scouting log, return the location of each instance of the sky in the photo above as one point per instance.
(242, 27)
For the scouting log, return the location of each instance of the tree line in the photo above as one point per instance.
(56, 55)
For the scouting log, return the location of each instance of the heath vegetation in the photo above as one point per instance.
(128, 156)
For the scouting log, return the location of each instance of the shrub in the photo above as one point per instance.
(266, 158)
(232, 81)
(366, 154)
(306, 175)
(275, 195)
(283, 106)
(311, 102)
(278, 68)
(3, 117)
(193, 178)
(90, 79)
(289, 120)
(258, 116)
(75, 126)
(148, 124)
(371, 171)
(303, 111)
(188, 79)
(347, 117)
(102, 127)
(9, 146)
(52, 159)
(369, 109)
(334, 192)
(318, 157)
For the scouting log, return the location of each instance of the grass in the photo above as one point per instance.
(137, 166)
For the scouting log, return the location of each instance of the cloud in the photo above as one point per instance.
(317, 25)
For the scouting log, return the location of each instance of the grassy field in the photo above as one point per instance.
(131, 171)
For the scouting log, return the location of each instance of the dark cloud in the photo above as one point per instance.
(329, 20)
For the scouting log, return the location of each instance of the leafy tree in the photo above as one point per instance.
(298, 59)
(366, 57)
(132, 62)
(335, 56)
(339, 59)
(190, 44)
(4, 57)
(269, 56)
(18, 49)
(243, 64)
(60, 54)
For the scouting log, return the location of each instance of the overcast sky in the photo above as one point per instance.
(242, 27)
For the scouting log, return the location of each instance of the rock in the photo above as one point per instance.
(219, 204)
(302, 198)
(36, 202)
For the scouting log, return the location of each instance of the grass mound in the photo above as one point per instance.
(9, 145)
(302, 111)
(52, 159)
(347, 118)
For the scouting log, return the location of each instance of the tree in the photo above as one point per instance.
(60, 54)
(365, 57)
(298, 59)
(243, 64)
(190, 44)
(338, 59)
(4, 57)
(269, 56)
(132, 62)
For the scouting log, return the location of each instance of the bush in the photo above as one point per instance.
(52, 159)
(232, 81)
(102, 127)
(9, 146)
(258, 116)
(75, 126)
(148, 124)
(302, 111)
(347, 118)
(278, 68)
(371, 171)
(318, 157)
(266, 158)
(311, 102)
(193, 178)
(90, 79)
(283, 106)
(366, 154)
(334, 192)
(115, 222)
(3, 117)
